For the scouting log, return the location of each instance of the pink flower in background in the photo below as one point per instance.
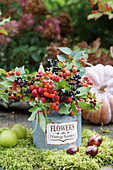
(26, 21)
(4, 39)
(12, 29)
(50, 28)
(23, 2)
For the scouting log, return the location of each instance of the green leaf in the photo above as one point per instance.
(62, 83)
(60, 65)
(47, 105)
(77, 55)
(11, 78)
(69, 65)
(83, 90)
(65, 50)
(6, 84)
(82, 70)
(35, 57)
(73, 53)
(89, 64)
(3, 31)
(2, 71)
(73, 107)
(64, 110)
(34, 111)
(1, 90)
(5, 20)
(42, 122)
(34, 73)
(35, 123)
(21, 69)
(41, 68)
(83, 105)
(44, 111)
(62, 58)
(91, 16)
(32, 48)
(26, 71)
(6, 98)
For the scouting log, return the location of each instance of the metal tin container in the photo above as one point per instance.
(61, 132)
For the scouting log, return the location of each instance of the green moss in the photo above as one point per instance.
(25, 156)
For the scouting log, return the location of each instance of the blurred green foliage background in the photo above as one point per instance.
(38, 27)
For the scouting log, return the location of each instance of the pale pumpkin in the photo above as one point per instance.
(102, 78)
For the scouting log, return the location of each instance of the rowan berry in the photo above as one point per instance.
(42, 78)
(57, 102)
(50, 103)
(55, 92)
(52, 95)
(52, 86)
(64, 61)
(47, 111)
(56, 108)
(45, 89)
(46, 94)
(52, 107)
(36, 87)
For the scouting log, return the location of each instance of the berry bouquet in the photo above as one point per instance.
(63, 81)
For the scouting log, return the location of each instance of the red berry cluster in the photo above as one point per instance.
(10, 73)
(105, 8)
(86, 82)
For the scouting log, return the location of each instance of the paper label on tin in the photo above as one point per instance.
(61, 133)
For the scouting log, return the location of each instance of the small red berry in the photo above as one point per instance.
(68, 100)
(18, 73)
(34, 92)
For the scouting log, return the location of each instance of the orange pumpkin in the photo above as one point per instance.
(102, 78)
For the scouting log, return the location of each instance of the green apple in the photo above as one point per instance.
(8, 138)
(20, 130)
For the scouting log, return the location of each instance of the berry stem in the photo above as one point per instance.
(14, 116)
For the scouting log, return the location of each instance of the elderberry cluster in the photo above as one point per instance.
(53, 66)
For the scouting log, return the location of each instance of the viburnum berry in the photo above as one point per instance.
(43, 99)
(51, 90)
(56, 78)
(68, 73)
(69, 99)
(74, 69)
(41, 90)
(18, 73)
(61, 74)
(64, 69)
(57, 98)
(34, 92)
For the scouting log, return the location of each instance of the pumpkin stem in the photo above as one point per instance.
(102, 88)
